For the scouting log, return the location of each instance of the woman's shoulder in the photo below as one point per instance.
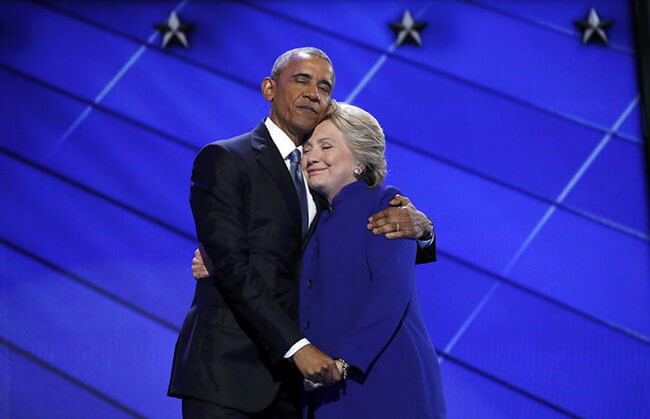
(384, 194)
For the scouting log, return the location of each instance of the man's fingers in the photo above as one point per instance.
(399, 200)
(386, 212)
(397, 235)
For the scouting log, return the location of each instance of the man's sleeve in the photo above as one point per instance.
(426, 253)
(217, 197)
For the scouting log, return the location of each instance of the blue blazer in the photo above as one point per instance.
(358, 302)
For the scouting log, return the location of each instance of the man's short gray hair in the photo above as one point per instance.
(364, 137)
(283, 60)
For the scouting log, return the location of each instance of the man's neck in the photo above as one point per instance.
(296, 138)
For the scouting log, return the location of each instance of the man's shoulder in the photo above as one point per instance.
(238, 144)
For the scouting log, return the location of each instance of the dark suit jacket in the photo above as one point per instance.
(241, 322)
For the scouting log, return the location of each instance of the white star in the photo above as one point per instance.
(593, 26)
(408, 29)
(174, 31)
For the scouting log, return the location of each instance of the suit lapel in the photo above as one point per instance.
(270, 159)
(321, 205)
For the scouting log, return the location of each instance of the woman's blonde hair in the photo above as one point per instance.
(364, 137)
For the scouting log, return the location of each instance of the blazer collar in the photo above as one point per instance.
(269, 157)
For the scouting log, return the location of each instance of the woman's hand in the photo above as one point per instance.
(199, 268)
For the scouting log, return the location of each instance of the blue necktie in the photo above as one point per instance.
(298, 181)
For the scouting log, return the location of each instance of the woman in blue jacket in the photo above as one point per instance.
(358, 300)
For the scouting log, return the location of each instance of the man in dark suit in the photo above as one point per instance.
(240, 352)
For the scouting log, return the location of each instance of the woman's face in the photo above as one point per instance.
(327, 160)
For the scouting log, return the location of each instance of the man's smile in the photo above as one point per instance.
(307, 108)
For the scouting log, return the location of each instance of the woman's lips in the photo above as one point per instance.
(312, 171)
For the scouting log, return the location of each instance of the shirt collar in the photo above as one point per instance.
(281, 140)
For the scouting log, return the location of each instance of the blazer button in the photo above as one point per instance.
(309, 284)
(307, 323)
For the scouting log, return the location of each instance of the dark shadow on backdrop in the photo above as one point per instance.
(642, 29)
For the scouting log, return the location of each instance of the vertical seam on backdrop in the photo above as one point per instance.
(114, 80)
(547, 215)
(379, 63)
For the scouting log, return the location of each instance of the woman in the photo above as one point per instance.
(357, 291)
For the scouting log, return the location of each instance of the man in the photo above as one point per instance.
(240, 348)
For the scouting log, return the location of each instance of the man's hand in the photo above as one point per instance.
(315, 366)
(400, 220)
(199, 268)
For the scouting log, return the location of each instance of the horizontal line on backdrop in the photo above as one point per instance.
(70, 181)
(255, 86)
(90, 285)
(186, 144)
(504, 383)
(514, 284)
(69, 378)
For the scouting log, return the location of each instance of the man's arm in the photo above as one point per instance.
(308, 358)
(403, 220)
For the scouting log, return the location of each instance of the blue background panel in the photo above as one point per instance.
(553, 354)
(563, 13)
(540, 302)
(17, 395)
(469, 395)
(53, 54)
(472, 127)
(96, 240)
(110, 155)
(141, 14)
(444, 302)
(608, 279)
(599, 191)
(103, 347)
(148, 94)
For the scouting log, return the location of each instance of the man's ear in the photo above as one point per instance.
(268, 88)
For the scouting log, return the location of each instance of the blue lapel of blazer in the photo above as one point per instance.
(321, 205)
(271, 160)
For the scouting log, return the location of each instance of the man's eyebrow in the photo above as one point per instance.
(327, 82)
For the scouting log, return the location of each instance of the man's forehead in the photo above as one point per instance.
(301, 59)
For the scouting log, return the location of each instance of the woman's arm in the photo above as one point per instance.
(392, 277)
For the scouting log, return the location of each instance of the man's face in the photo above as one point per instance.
(300, 95)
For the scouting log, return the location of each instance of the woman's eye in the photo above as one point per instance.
(327, 147)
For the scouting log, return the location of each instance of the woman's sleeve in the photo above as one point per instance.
(392, 277)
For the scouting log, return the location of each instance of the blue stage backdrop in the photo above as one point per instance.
(522, 144)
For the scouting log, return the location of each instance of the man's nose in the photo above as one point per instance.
(311, 93)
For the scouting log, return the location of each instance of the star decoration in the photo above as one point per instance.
(593, 27)
(174, 31)
(408, 30)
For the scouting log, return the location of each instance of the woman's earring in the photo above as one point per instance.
(357, 172)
